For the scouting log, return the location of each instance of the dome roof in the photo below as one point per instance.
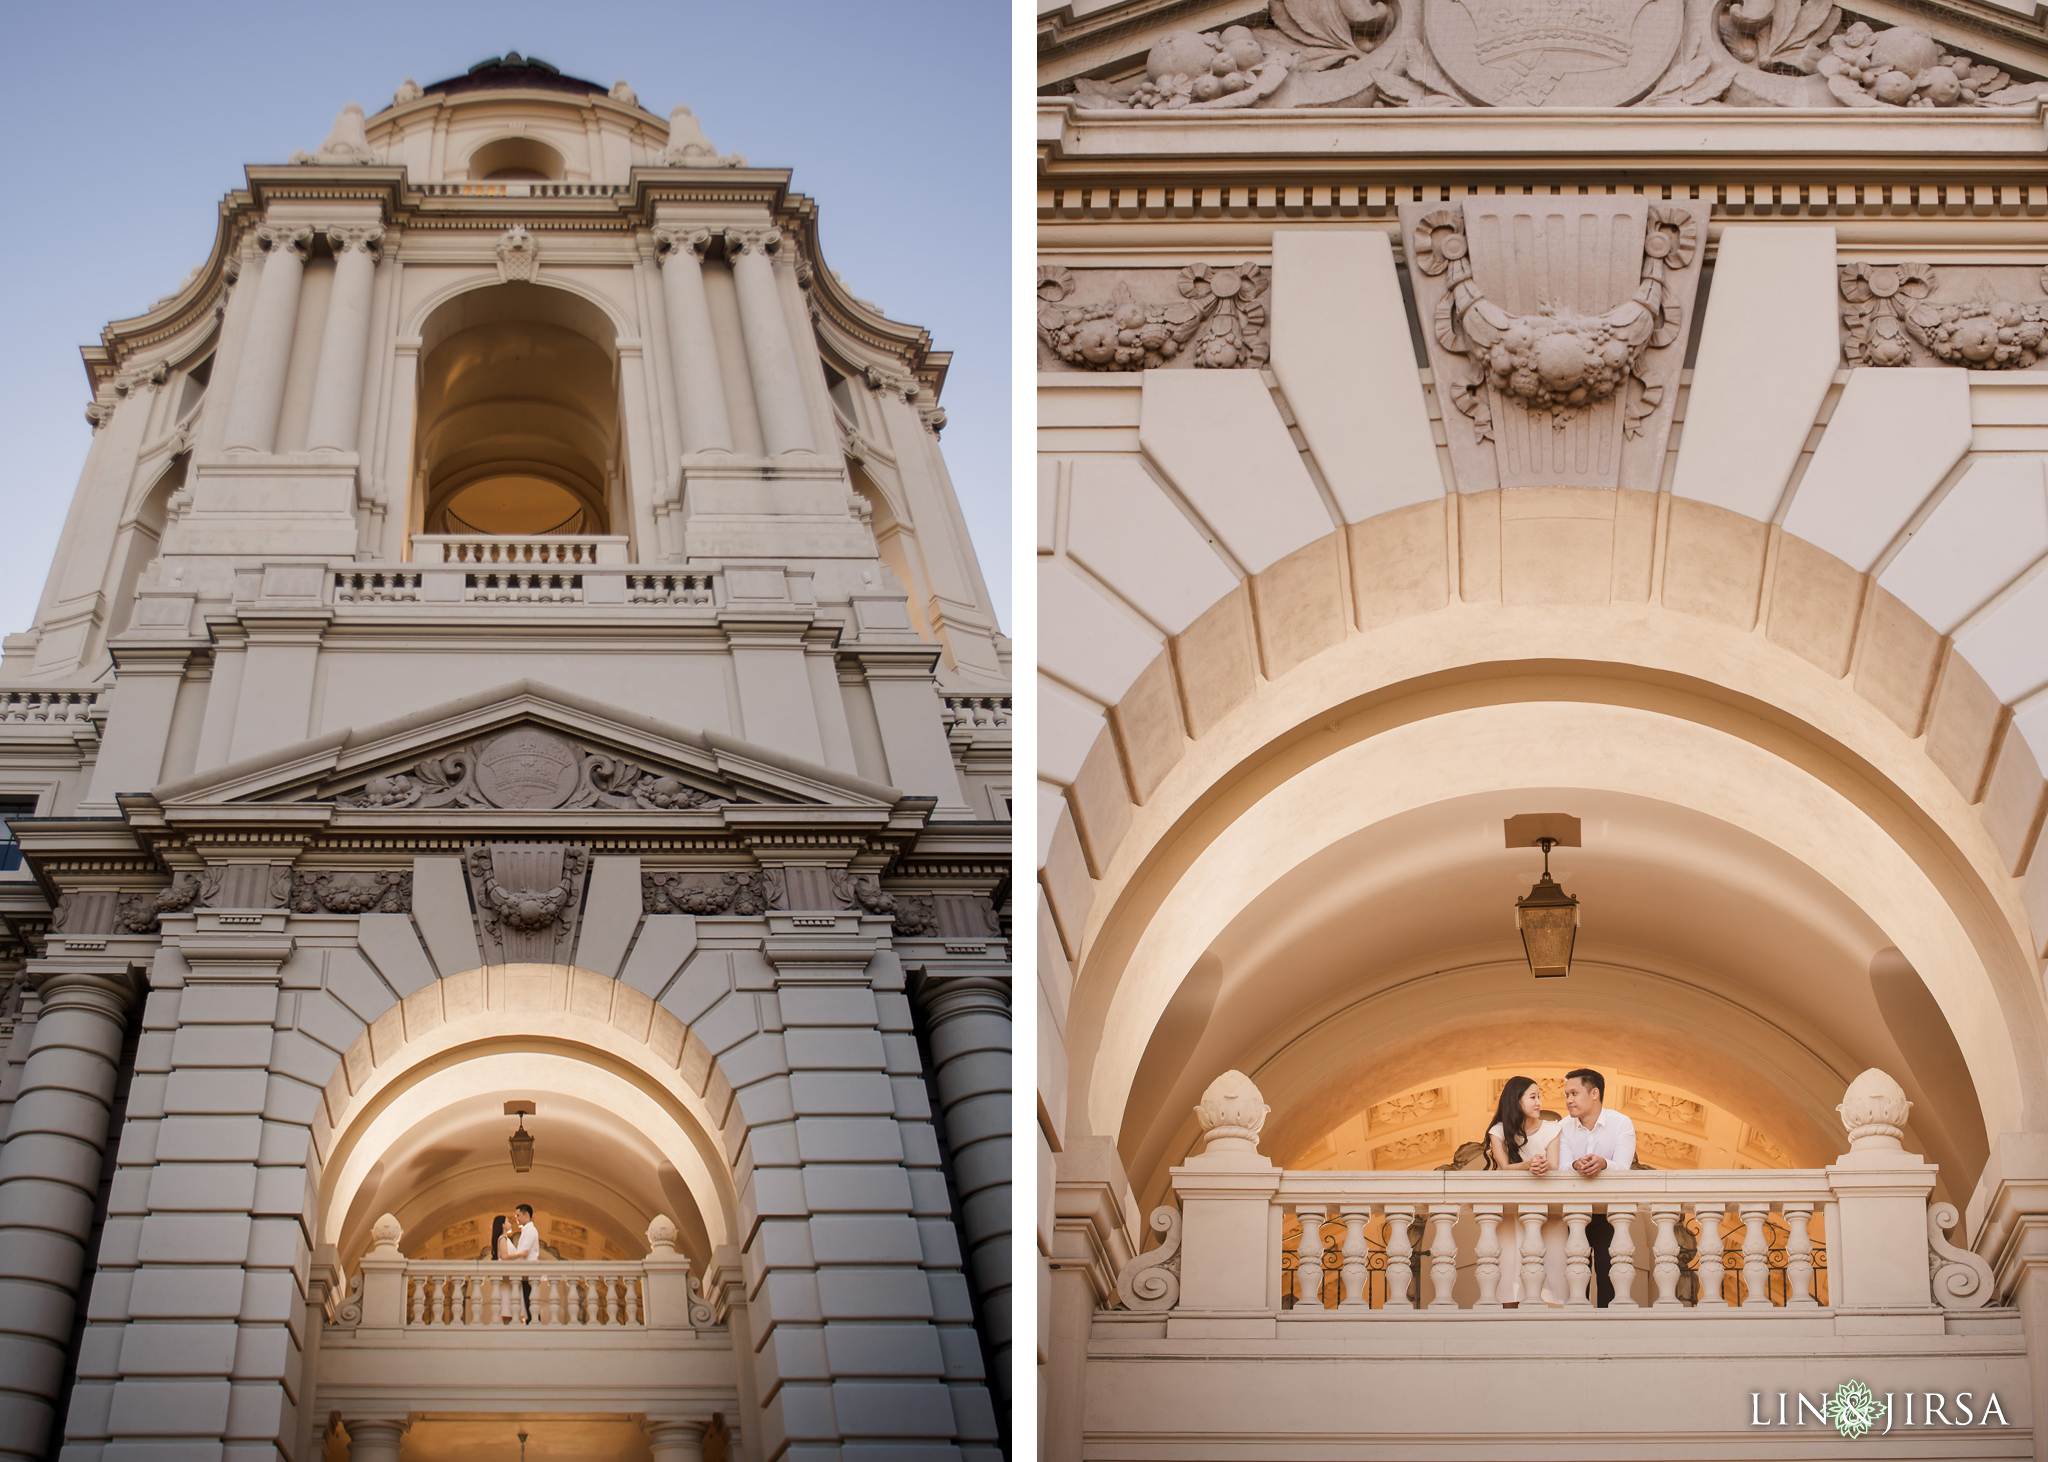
(511, 72)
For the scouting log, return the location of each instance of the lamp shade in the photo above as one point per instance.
(1549, 921)
(522, 1149)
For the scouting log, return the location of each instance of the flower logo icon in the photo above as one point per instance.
(1853, 1409)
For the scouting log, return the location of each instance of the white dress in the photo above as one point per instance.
(507, 1289)
(1509, 1291)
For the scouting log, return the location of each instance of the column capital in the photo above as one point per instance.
(669, 242)
(342, 239)
(948, 997)
(298, 238)
(739, 241)
(71, 986)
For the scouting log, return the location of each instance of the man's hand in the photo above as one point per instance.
(1590, 1166)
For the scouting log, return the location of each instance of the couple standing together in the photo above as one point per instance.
(519, 1241)
(1588, 1142)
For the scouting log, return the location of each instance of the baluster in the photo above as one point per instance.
(436, 1301)
(1308, 1259)
(612, 1314)
(1665, 1215)
(633, 1300)
(416, 1287)
(1487, 1251)
(1621, 1254)
(1443, 1257)
(467, 1302)
(1357, 1264)
(1578, 1256)
(1531, 1217)
(1712, 1259)
(1756, 1256)
(556, 1307)
(1799, 1256)
(1400, 1267)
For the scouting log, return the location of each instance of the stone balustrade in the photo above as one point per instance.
(452, 1293)
(519, 551)
(1251, 1240)
(467, 579)
(1395, 1241)
(28, 705)
(975, 709)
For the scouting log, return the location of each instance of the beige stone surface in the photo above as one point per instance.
(2013, 801)
(1124, 530)
(1101, 803)
(1767, 354)
(1214, 661)
(1148, 728)
(1713, 563)
(1298, 604)
(1554, 544)
(1816, 600)
(1897, 661)
(1398, 563)
(1342, 357)
(1894, 435)
(1963, 727)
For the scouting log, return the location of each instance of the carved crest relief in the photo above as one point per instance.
(1559, 53)
(528, 897)
(529, 769)
(1556, 329)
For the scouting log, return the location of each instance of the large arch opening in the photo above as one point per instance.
(1762, 921)
(519, 419)
(624, 1129)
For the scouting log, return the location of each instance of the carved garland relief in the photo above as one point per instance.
(1209, 315)
(528, 769)
(1556, 53)
(1890, 316)
(1556, 330)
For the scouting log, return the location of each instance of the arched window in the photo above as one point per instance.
(519, 416)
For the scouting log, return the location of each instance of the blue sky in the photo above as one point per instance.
(130, 121)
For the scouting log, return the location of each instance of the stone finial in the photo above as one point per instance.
(1874, 1110)
(408, 91)
(1231, 1113)
(623, 94)
(347, 144)
(387, 1232)
(661, 1234)
(688, 147)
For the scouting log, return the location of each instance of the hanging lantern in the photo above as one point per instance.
(1549, 921)
(522, 1140)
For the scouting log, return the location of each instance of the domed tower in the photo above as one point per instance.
(515, 656)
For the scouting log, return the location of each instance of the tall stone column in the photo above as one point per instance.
(700, 384)
(259, 385)
(49, 1181)
(771, 363)
(345, 344)
(966, 1022)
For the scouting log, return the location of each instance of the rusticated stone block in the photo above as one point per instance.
(1400, 564)
(1213, 663)
(2012, 800)
(1147, 724)
(1815, 598)
(1963, 725)
(1299, 606)
(1101, 803)
(1895, 669)
(1714, 563)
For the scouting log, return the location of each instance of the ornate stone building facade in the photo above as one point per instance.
(1630, 414)
(515, 717)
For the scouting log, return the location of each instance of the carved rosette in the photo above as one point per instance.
(1874, 1110)
(1231, 1114)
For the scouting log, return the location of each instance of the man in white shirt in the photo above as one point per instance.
(1593, 1141)
(525, 1246)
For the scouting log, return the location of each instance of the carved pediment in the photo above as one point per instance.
(1880, 56)
(530, 768)
(527, 747)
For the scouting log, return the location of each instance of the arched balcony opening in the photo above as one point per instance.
(519, 420)
(516, 159)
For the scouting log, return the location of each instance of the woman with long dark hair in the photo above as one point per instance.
(1520, 1140)
(508, 1289)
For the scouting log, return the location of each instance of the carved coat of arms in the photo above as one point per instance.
(1554, 53)
(1556, 329)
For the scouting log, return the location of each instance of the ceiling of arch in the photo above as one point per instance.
(1675, 905)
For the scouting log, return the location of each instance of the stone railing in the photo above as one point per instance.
(24, 705)
(975, 709)
(508, 551)
(1250, 1239)
(464, 579)
(521, 190)
(392, 1292)
(452, 1293)
(1459, 1240)
(376, 588)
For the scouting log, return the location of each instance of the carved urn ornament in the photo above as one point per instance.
(1231, 1113)
(1874, 1109)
